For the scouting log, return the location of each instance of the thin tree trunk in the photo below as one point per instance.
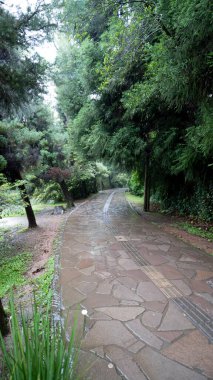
(67, 195)
(110, 182)
(27, 205)
(146, 206)
(4, 328)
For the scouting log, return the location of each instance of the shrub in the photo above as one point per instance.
(38, 349)
(48, 191)
(135, 185)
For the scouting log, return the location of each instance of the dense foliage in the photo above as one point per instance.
(134, 84)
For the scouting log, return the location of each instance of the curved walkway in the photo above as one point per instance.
(148, 295)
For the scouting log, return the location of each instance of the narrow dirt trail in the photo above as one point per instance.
(148, 295)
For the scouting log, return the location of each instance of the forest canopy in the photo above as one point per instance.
(134, 85)
(134, 96)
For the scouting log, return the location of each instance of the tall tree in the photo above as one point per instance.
(151, 99)
(18, 146)
(21, 79)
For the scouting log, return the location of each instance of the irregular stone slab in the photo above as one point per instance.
(200, 286)
(97, 300)
(70, 317)
(170, 272)
(155, 306)
(103, 274)
(122, 254)
(67, 263)
(94, 368)
(194, 351)
(124, 363)
(175, 320)
(88, 271)
(203, 275)
(206, 296)
(136, 347)
(187, 258)
(190, 265)
(85, 263)
(150, 292)
(164, 247)
(128, 264)
(202, 303)
(169, 336)
(158, 367)
(98, 316)
(99, 351)
(105, 333)
(152, 247)
(124, 293)
(122, 313)
(151, 319)
(144, 334)
(154, 259)
(68, 274)
(181, 285)
(104, 288)
(189, 273)
(128, 281)
(71, 296)
(137, 275)
(129, 303)
(86, 287)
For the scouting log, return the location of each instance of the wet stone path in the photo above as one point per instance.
(148, 295)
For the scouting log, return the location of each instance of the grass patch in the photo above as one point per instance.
(198, 231)
(43, 284)
(12, 272)
(38, 349)
(134, 199)
(6, 248)
(37, 207)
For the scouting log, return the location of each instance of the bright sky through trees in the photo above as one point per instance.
(47, 50)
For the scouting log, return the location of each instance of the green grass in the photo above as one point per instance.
(43, 284)
(38, 349)
(37, 207)
(198, 231)
(134, 199)
(3, 232)
(12, 272)
(6, 248)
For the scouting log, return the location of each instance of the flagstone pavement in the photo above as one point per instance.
(148, 295)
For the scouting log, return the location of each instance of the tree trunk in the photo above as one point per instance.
(16, 176)
(110, 182)
(146, 206)
(4, 328)
(67, 195)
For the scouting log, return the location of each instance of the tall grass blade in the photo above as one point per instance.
(38, 349)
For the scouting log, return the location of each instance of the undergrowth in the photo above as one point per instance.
(134, 198)
(43, 284)
(12, 272)
(6, 250)
(18, 210)
(198, 231)
(38, 349)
